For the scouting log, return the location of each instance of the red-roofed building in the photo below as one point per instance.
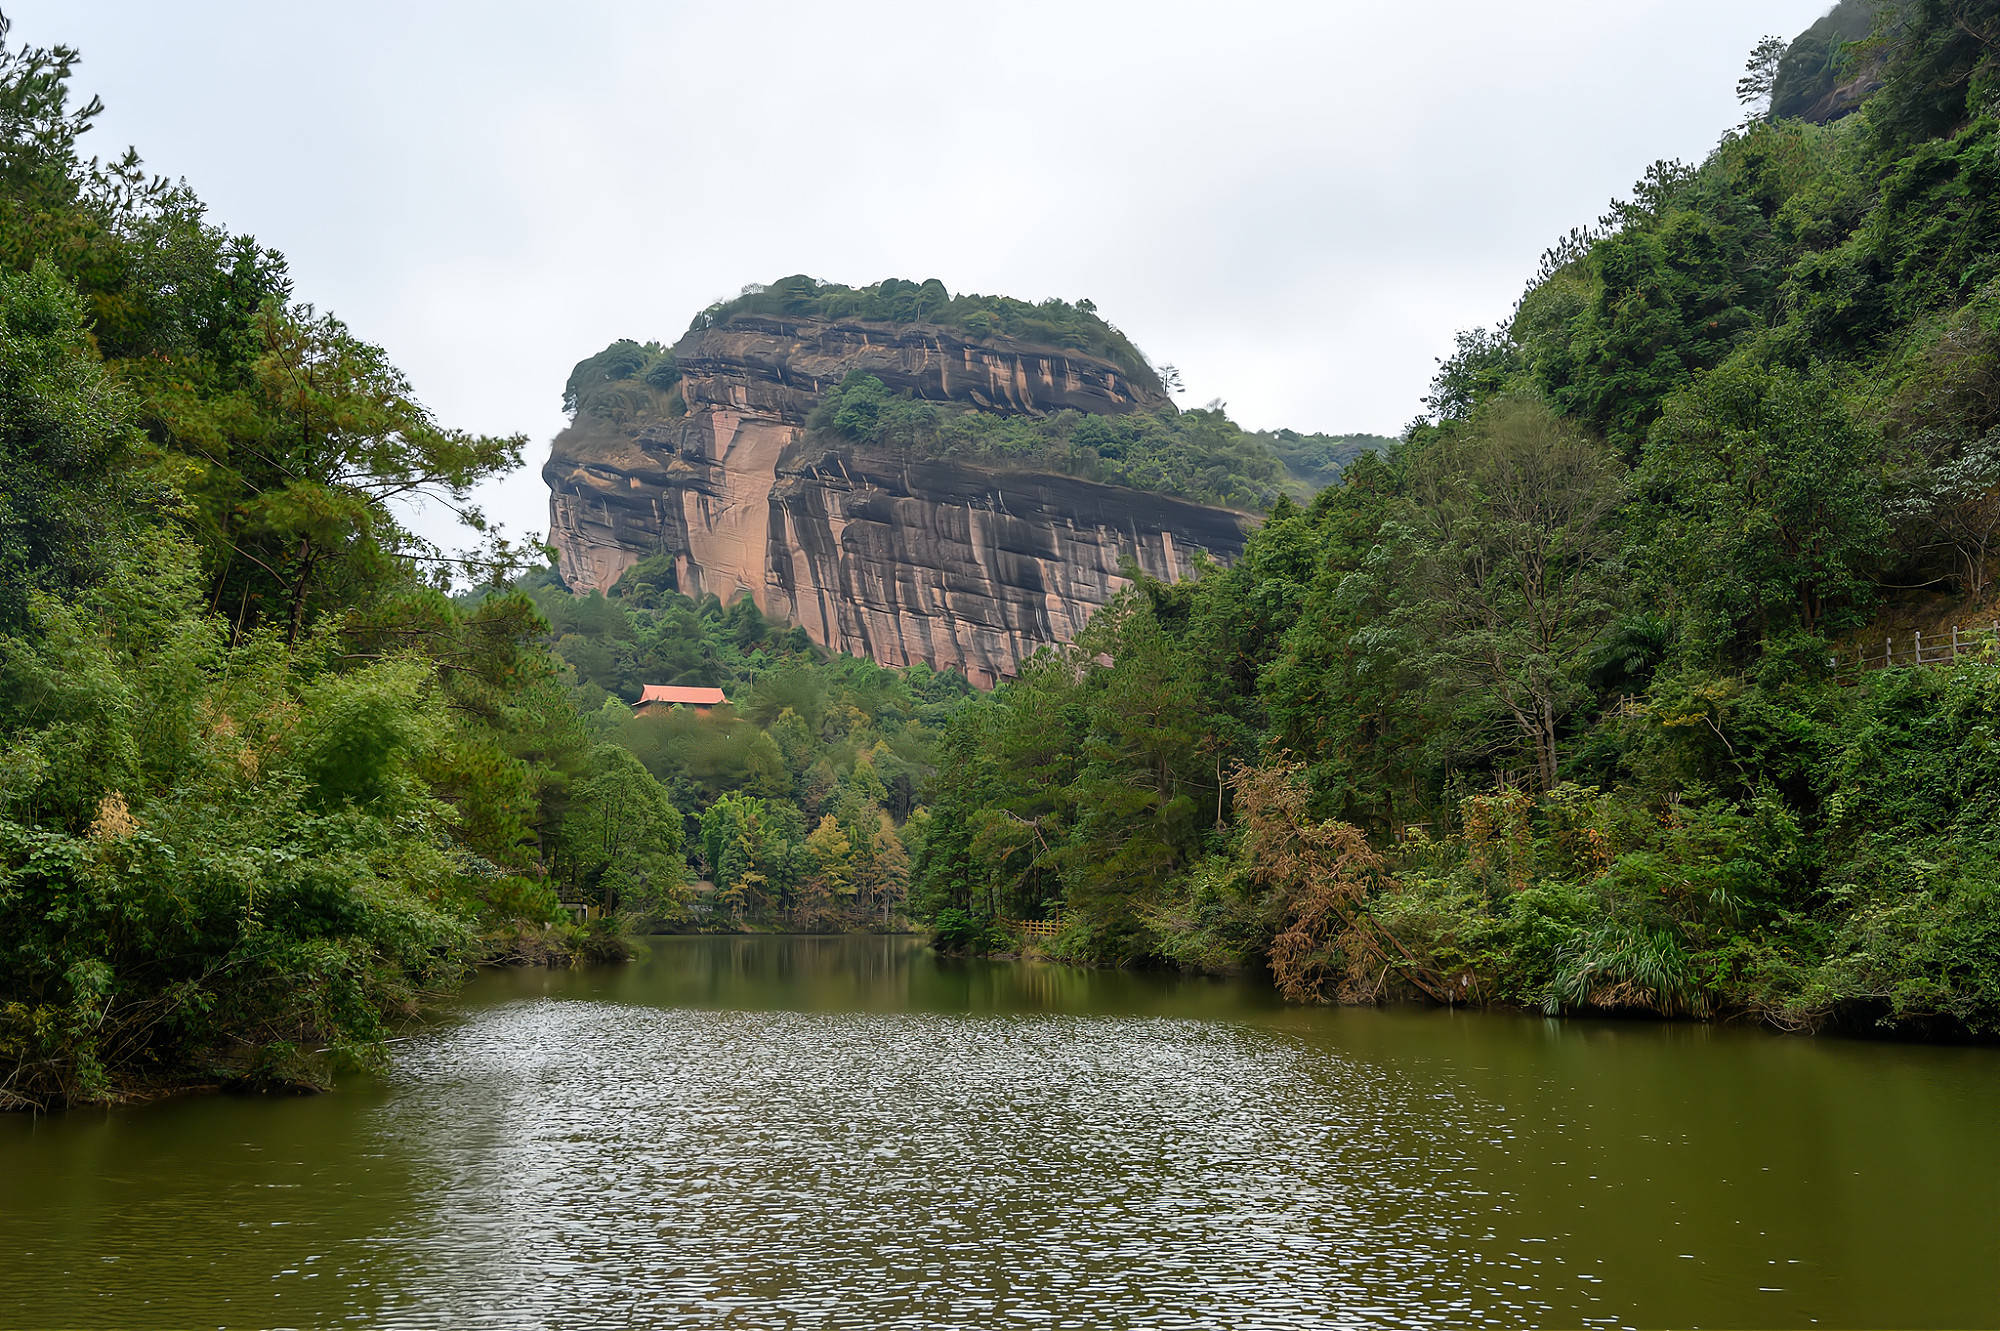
(657, 697)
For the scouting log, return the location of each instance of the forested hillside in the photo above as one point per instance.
(266, 784)
(1559, 703)
(803, 791)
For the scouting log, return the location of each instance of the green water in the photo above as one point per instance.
(852, 1133)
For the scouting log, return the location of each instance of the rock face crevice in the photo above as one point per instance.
(873, 551)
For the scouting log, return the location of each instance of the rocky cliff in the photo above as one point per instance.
(875, 551)
(1822, 77)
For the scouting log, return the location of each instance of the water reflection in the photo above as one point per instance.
(875, 974)
(850, 1132)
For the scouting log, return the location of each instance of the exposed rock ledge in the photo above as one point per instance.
(874, 553)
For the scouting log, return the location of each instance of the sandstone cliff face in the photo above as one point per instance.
(875, 553)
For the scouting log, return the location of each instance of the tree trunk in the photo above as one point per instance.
(306, 552)
(1545, 744)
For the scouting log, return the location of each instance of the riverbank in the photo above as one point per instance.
(1392, 973)
(525, 944)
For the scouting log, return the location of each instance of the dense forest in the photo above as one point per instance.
(267, 784)
(802, 792)
(1594, 690)
(1561, 702)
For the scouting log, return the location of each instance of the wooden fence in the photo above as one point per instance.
(1039, 930)
(1977, 644)
(1961, 645)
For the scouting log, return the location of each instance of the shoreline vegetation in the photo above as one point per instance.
(1562, 701)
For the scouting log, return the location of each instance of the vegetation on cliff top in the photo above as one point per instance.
(1053, 322)
(1198, 454)
(626, 381)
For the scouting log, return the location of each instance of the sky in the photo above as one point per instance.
(1296, 204)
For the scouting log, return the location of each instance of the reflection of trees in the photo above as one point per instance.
(883, 973)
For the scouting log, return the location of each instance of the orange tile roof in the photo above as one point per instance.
(671, 693)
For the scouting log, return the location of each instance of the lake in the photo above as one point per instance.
(853, 1132)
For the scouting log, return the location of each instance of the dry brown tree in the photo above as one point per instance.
(1318, 873)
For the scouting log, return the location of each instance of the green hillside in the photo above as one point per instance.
(1561, 701)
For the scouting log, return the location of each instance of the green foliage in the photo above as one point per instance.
(1199, 454)
(624, 381)
(190, 879)
(961, 932)
(1763, 500)
(1315, 461)
(621, 843)
(267, 784)
(1940, 70)
(1818, 59)
(1512, 569)
(62, 422)
(1564, 652)
(802, 739)
(1051, 323)
(289, 478)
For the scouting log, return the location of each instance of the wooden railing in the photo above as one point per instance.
(1961, 646)
(1039, 930)
(1916, 650)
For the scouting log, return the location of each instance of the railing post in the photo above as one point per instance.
(1954, 644)
(1888, 652)
(1920, 647)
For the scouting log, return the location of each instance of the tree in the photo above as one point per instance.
(889, 870)
(1956, 502)
(1760, 500)
(1315, 875)
(1514, 566)
(750, 847)
(295, 475)
(63, 425)
(620, 842)
(41, 176)
(1677, 283)
(1760, 76)
(1343, 690)
(1153, 749)
(829, 879)
(210, 858)
(1945, 419)
(1481, 363)
(1941, 69)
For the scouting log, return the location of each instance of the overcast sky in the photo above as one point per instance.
(1296, 204)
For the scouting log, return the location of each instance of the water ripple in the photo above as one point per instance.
(633, 1166)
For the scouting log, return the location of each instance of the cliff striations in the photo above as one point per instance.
(875, 550)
